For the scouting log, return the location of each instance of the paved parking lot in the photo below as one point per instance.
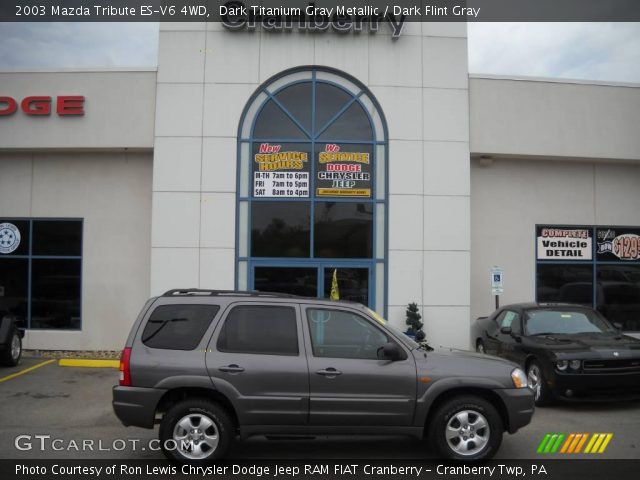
(74, 404)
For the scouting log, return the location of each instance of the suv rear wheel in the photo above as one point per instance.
(196, 431)
(466, 428)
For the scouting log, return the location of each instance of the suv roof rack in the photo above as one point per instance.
(247, 293)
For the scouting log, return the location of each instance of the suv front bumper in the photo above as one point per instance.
(520, 405)
(136, 406)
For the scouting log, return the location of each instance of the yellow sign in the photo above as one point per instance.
(281, 161)
(344, 192)
(326, 157)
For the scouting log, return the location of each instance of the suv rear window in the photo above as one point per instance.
(178, 327)
(261, 330)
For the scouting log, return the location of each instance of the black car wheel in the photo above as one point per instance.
(538, 384)
(480, 348)
(466, 428)
(196, 431)
(11, 355)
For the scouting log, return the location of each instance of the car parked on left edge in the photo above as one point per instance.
(10, 341)
(569, 352)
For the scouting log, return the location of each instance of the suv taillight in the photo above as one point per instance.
(125, 371)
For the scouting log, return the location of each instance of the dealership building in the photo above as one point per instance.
(270, 159)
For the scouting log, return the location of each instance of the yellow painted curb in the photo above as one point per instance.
(26, 370)
(84, 362)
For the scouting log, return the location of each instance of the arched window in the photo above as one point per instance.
(312, 188)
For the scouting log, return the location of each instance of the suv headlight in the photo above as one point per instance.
(575, 364)
(562, 365)
(519, 378)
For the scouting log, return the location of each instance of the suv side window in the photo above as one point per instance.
(265, 330)
(178, 327)
(340, 334)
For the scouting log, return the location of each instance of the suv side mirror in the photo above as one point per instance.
(389, 351)
(506, 330)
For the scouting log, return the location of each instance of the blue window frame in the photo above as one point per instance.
(312, 186)
(41, 272)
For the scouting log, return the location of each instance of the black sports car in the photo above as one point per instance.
(569, 352)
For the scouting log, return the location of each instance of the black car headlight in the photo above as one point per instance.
(575, 364)
(562, 365)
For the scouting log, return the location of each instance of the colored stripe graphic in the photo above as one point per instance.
(581, 443)
(567, 443)
(555, 447)
(598, 442)
(543, 443)
(573, 443)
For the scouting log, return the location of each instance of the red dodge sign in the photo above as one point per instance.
(41, 105)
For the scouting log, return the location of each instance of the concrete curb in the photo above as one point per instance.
(85, 362)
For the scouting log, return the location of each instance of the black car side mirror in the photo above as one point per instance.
(506, 330)
(390, 351)
(618, 325)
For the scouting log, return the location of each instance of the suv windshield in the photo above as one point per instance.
(395, 330)
(551, 321)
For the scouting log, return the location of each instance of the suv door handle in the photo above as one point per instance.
(233, 368)
(329, 372)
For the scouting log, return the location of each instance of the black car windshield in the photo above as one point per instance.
(552, 321)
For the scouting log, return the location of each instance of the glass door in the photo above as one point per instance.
(353, 283)
(316, 280)
(292, 280)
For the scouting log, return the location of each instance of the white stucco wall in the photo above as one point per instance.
(554, 118)
(97, 167)
(118, 108)
(511, 196)
(206, 75)
(111, 192)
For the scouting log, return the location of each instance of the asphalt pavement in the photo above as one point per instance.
(65, 412)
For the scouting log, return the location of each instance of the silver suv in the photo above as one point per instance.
(210, 366)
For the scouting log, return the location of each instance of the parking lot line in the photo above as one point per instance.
(26, 370)
(82, 362)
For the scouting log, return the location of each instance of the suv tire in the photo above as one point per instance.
(11, 355)
(466, 428)
(205, 427)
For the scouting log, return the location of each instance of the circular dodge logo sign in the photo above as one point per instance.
(9, 237)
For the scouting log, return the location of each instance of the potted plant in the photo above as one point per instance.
(415, 325)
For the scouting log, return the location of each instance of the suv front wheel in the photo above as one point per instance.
(466, 428)
(196, 431)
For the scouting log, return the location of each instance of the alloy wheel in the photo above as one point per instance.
(196, 436)
(467, 432)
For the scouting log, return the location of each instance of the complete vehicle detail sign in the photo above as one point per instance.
(560, 243)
